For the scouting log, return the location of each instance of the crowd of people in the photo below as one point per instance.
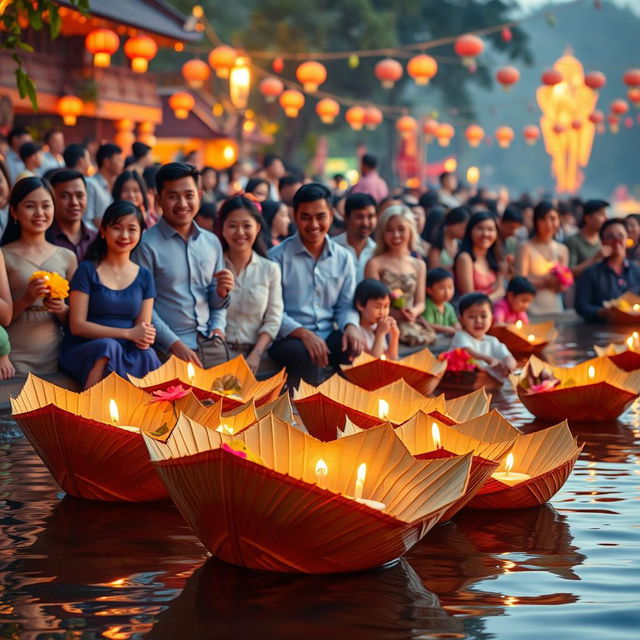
(264, 261)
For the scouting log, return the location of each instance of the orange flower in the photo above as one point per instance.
(57, 285)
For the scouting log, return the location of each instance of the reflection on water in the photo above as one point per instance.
(82, 570)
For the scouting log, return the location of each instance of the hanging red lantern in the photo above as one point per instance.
(531, 134)
(597, 117)
(632, 78)
(222, 59)
(102, 43)
(614, 122)
(406, 126)
(634, 96)
(278, 65)
(468, 47)
(140, 49)
(196, 73)
(595, 80)
(181, 103)
(271, 88)
(69, 107)
(576, 125)
(430, 128)
(444, 133)
(504, 136)
(372, 118)
(558, 128)
(388, 71)
(422, 68)
(506, 34)
(311, 75)
(474, 134)
(619, 107)
(552, 77)
(327, 110)
(291, 101)
(507, 77)
(355, 117)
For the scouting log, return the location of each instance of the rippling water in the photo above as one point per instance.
(82, 570)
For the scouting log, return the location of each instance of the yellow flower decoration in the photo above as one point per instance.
(57, 285)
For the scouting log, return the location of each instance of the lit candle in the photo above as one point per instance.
(115, 417)
(531, 337)
(519, 324)
(591, 372)
(435, 435)
(321, 472)
(635, 335)
(360, 478)
(383, 357)
(630, 342)
(636, 307)
(508, 476)
(383, 409)
(225, 428)
(191, 373)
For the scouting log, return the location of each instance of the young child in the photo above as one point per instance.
(373, 300)
(439, 312)
(475, 317)
(513, 307)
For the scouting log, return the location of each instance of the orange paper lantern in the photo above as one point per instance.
(140, 49)
(507, 77)
(558, 128)
(327, 110)
(444, 133)
(430, 128)
(531, 133)
(468, 47)
(271, 88)
(372, 117)
(222, 59)
(311, 75)
(634, 96)
(406, 125)
(619, 107)
(69, 107)
(595, 80)
(632, 78)
(552, 77)
(182, 103)
(291, 101)
(422, 68)
(196, 73)
(388, 71)
(474, 134)
(102, 43)
(355, 117)
(597, 117)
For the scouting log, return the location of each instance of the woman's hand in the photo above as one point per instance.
(253, 360)
(143, 333)
(35, 289)
(408, 314)
(55, 305)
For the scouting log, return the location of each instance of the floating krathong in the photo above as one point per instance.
(525, 338)
(533, 472)
(490, 427)
(255, 500)
(625, 309)
(593, 390)
(91, 441)
(472, 405)
(625, 356)
(422, 370)
(427, 438)
(231, 381)
(323, 409)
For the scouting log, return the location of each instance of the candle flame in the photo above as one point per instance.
(362, 473)
(636, 307)
(630, 342)
(519, 324)
(531, 337)
(435, 434)
(383, 357)
(321, 468)
(383, 409)
(591, 372)
(225, 428)
(508, 465)
(635, 335)
(113, 410)
(191, 372)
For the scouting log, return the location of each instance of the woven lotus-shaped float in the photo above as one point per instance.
(422, 370)
(258, 500)
(325, 408)
(544, 460)
(593, 390)
(91, 442)
(625, 309)
(427, 438)
(469, 406)
(625, 356)
(525, 338)
(232, 382)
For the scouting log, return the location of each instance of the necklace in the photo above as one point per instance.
(114, 272)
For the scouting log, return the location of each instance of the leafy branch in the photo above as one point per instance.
(37, 13)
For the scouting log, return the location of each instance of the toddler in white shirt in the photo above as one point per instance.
(476, 315)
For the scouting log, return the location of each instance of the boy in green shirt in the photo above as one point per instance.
(439, 312)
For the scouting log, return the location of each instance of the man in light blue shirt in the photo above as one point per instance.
(15, 139)
(110, 163)
(318, 283)
(360, 218)
(187, 263)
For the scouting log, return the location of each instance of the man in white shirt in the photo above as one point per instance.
(360, 218)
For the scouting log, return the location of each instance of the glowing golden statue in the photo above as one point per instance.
(568, 132)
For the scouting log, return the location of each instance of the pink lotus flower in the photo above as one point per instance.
(235, 452)
(563, 275)
(170, 394)
(545, 385)
(397, 299)
(458, 360)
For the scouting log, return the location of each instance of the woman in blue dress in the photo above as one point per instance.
(110, 304)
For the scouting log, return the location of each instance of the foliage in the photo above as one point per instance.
(37, 13)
